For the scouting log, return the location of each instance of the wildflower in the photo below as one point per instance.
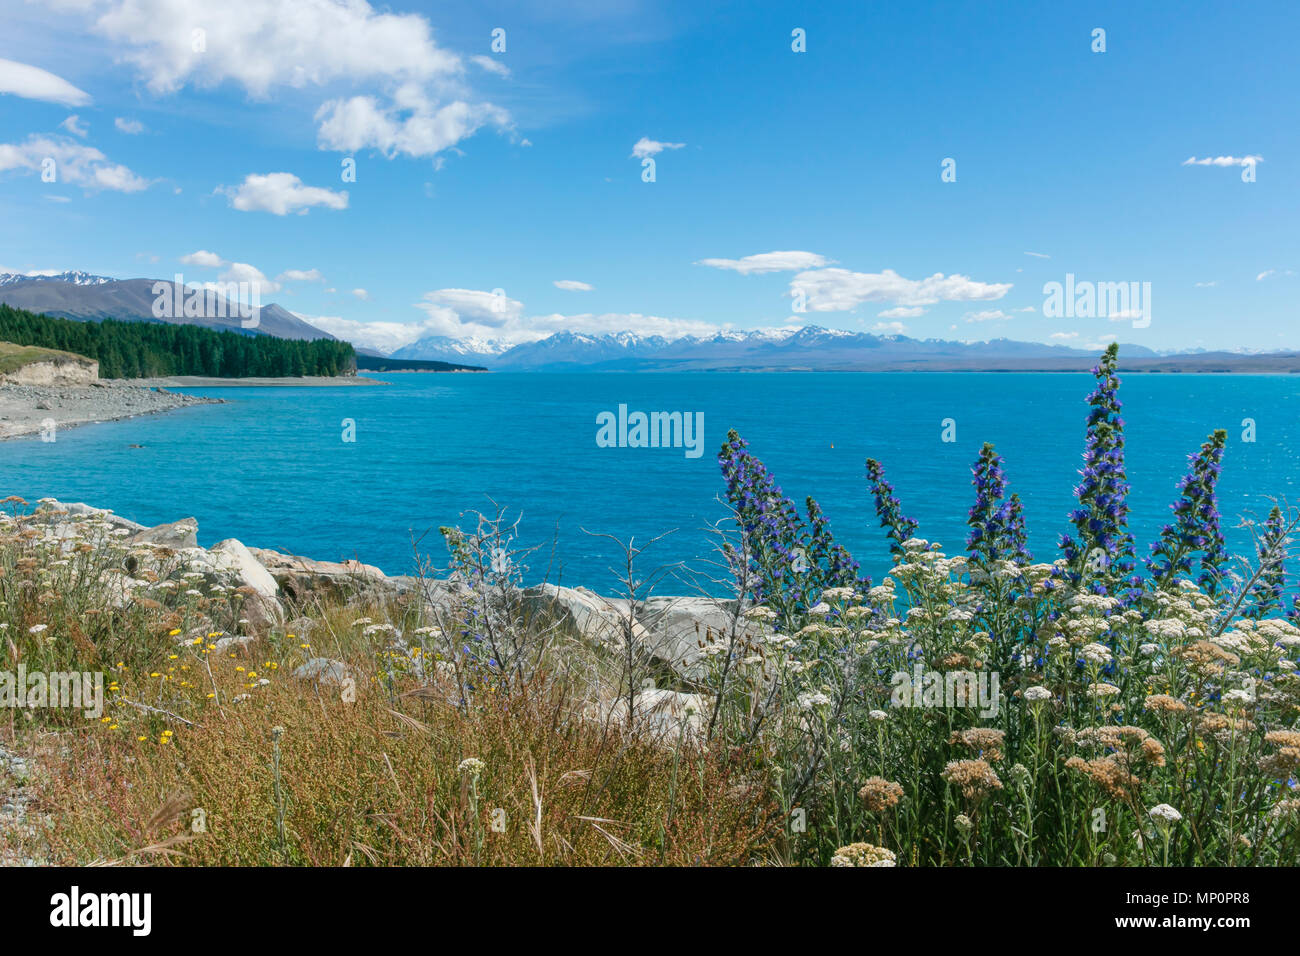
(877, 715)
(889, 510)
(997, 528)
(1102, 689)
(472, 766)
(863, 854)
(37, 628)
(1096, 654)
(975, 778)
(1103, 544)
(811, 701)
(1196, 522)
(1107, 773)
(985, 741)
(1037, 694)
(1163, 702)
(880, 794)
(1164, 815)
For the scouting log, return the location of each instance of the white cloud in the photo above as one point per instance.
(361, 294)
(74, 126)
(491, 310)
(1265, 274)
(203, 258)
(840, 290)
(33, 83)
(1207, 285)
(243, 272)
(262, 44)
(300, 275)
(384, 336)
(1027, 308)
(1038, 255)
(986, 315)
(1065, 335)
(74, 163)
(129, 126)
(889, 328)
(573, 285)
(414, 125)
(1223, 161)
(490, 64)
(769, 262)
(280, 194)
(649, 147)
(902, 312)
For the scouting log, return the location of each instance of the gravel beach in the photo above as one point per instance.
(27, 409)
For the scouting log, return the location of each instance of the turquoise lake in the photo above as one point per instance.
(272, 469)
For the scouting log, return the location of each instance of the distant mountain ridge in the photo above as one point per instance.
(75, 278)
(81, 296)
(816, 349)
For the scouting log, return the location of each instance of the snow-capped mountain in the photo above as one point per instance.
(73, 278)
(442, 348)
(807, 348)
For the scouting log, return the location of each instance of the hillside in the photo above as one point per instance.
(77, 295)
(378, 363)
(28, 364)
(153, 349)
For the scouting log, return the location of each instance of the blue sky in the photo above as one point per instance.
(479, 170)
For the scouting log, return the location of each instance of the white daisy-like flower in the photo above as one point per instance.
(1037, 693)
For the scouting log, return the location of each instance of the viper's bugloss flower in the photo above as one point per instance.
(888, 508)
(1196, 526)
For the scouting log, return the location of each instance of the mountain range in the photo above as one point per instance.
(817, 349)
(80, 295)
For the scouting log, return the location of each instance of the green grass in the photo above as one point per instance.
(13, 357)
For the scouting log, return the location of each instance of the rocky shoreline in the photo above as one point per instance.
(675, 636)
(29, 409)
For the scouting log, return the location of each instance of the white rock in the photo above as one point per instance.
(324, 671)
(600, 620)
(677, 625)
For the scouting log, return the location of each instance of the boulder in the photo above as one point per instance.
(80, 509)
(299, 578)
(230, 555)
(175, 535)
(602, 621)
(680, 627)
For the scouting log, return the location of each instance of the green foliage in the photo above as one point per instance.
(149, 349)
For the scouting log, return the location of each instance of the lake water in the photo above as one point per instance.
(272, 469)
